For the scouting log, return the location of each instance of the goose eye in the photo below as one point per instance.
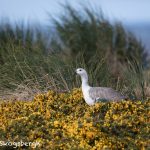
(80, 70)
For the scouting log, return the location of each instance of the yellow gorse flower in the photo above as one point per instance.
(65, 121)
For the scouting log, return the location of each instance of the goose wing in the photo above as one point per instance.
(105, 93)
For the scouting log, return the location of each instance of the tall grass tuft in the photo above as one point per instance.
(31, 63)
(137, 80)
(92, 34)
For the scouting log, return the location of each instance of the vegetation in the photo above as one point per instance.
(92, 35)
(30, 62)
(65, 121)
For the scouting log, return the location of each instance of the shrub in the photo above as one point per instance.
(65, 121)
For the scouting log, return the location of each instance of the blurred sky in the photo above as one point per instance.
(127, 11)
(134, 14)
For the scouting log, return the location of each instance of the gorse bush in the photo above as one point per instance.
(65, 121)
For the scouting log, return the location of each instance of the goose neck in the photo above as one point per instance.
(84, 80)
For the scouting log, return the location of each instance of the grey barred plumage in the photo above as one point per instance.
(105, 93)
(92, 94)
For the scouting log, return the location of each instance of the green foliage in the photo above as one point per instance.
(29, 62)
(92, 34)
(137, 80)
(22, 54)
(106, 48)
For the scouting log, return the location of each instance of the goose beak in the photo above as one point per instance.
(75, 72)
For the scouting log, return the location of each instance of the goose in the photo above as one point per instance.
(93, 94)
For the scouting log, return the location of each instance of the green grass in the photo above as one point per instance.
(29, 64)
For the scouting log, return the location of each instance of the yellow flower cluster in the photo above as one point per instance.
(64, 121)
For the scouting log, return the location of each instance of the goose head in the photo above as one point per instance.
(81, 71)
